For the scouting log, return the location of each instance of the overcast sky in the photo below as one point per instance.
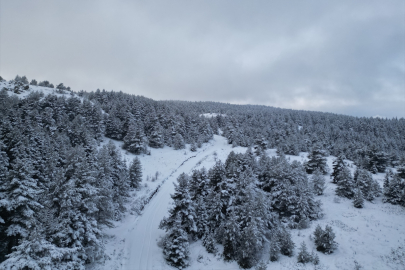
(337, 56)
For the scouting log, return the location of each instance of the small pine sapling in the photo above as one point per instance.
(315, 258)
(303, 255)
(261, 266)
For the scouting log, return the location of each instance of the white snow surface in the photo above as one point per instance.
(210, 115)
(366, 235)
(33, 88)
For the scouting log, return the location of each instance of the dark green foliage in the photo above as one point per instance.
(395, 190)
(317, 161)
(209, 243)
(338, 166)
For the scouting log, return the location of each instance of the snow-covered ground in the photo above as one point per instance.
(33, 88)
(210, 115)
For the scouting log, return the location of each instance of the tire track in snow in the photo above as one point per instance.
(144, 254)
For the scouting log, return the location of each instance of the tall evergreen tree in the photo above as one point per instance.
(176, 248)
(135, 173)
(345, 185)
(317, 160)
(318, 182)
(338, 165)
(183, 211)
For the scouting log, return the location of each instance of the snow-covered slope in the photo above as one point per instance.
(364, 235)
(21, 92)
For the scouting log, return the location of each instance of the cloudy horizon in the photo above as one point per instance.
(343, 57)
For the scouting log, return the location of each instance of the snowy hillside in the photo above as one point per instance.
(366, 237)
(72, 198)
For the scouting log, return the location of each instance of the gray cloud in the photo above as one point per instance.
(345, 57)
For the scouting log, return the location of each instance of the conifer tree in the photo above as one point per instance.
(368, 186)
(274, 248)
(317, 160)
(183, 210)
(135, 173)
(303, 255)
(318, 182)
(345, 185)
(338, 165)
(135, 141)
(231, 237)
(178, 142)
(324, 239)
(358, 200)
(156, 139)
(209, 242)
(176, 248)
(285, 242)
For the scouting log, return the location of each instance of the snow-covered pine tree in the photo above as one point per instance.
(388, 176)
(178, 142)
(183, 210)
(135, 141)
(338, 165)
(304, 256)
(176, 247)
(230, 238)
(113, 126)
(358, 200)
(75, 201)
(317, 160)
(193, 146)
(208, 242)
(250, 244)
(285, 242)
(325, 239)
(367, 185)
(395, 193)
(20, 196)
(274, 248)
(345, 184)
(156, 139)
(318, 182)
(135, 173)
(120, 179)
